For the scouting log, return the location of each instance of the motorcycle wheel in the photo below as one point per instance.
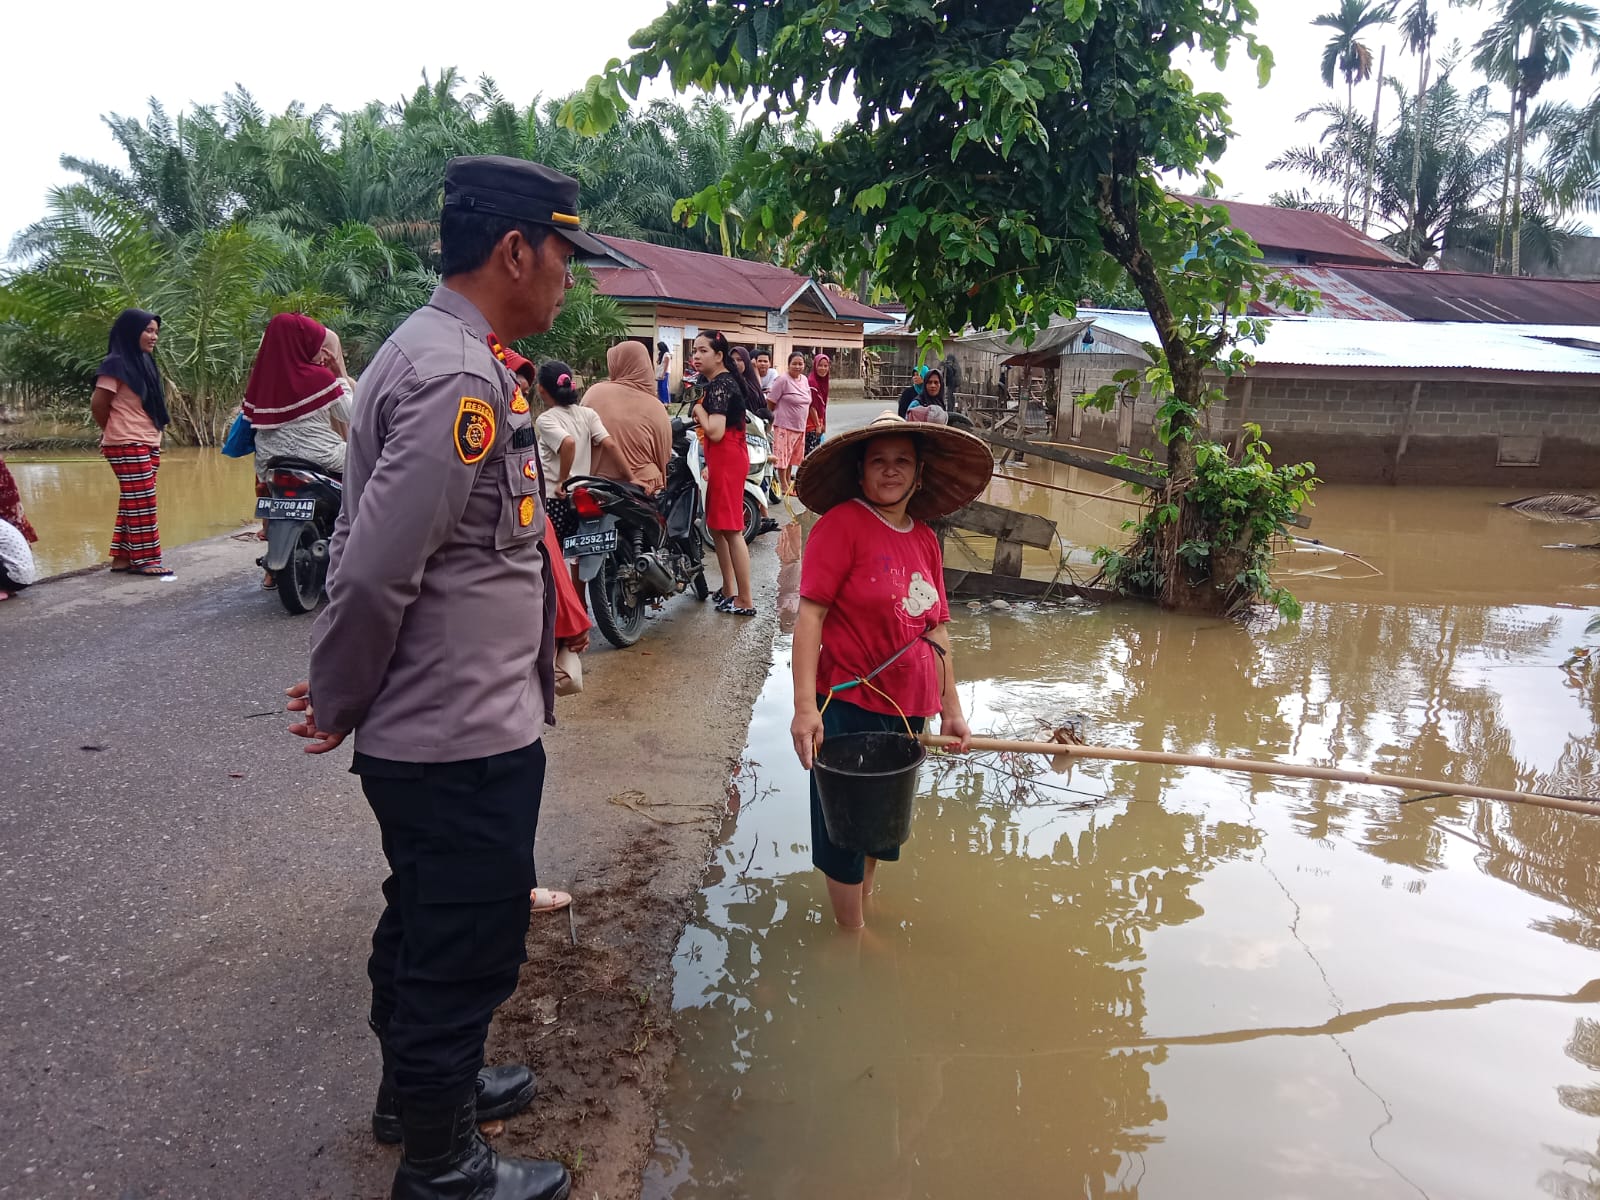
(752, 518)
(300, 581)
(705, 534)
(702, 589)
(620, 624)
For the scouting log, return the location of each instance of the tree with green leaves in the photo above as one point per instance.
(1530, 44)
(1425, 203)
(1348, 54)
(1000, 155)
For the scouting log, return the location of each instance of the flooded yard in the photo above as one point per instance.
(1167, 982)
(71, 498)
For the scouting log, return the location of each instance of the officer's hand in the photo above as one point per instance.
(300, 701)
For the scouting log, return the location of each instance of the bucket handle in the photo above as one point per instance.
(866, 680)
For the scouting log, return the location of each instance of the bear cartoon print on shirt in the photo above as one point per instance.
(920, 596)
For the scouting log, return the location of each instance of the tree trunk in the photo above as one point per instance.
(1372, 143)
(1349, 129)
(1505, 184)
(1516, 193)
(1215, 592)
(1414, 251)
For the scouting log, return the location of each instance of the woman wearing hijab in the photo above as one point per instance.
(817, 418)
(131, 410)
(872, 641)
(641, 431)
(298, 399)
(913, 394)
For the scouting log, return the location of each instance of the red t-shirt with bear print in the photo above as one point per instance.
(883, 586)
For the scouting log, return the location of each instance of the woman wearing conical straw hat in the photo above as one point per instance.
(872, 589)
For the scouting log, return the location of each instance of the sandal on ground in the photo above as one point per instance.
(268, 583)
(717, 597)
(122, 570)
(733, 610)
(151, 571)
(548, 900)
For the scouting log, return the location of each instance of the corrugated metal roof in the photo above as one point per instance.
(1320, 237)
(1401, 345)
(1458, 296)
(1340, 297)
(667, 274)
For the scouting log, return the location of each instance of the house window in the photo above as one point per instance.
(1519, 451)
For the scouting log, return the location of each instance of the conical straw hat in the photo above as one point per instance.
(956, 467)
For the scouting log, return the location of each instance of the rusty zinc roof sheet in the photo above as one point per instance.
(1459, 296)
(1320, 237)
(669, 275)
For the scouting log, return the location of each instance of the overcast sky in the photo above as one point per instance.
(63, 67)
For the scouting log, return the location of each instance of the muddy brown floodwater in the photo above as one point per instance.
(1166, 982)
(71, 499)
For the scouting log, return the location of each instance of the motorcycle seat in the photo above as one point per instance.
(299, 464)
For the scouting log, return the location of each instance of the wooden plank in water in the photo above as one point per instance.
(1095, 465)
(977, 585)
(991, 520)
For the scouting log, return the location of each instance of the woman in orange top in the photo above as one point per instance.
(131, 410)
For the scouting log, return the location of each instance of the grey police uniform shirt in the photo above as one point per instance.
(437, 642)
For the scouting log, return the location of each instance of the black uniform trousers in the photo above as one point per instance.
(459, 839)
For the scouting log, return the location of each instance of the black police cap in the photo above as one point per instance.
(519, 190)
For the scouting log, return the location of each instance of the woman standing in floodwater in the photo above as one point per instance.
(872, 604)
(131, 410)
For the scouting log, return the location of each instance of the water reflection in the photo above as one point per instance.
(1154, 981)
(71, 498)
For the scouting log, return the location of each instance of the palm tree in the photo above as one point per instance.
(1348, 55)
(1454, 176)
(1572, 154)
(1532, 43)
(1418, 27)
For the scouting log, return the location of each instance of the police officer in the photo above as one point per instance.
(436, 650)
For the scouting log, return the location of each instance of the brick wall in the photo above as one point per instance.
(1353, 430)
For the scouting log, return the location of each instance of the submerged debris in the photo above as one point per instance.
(1568, 506)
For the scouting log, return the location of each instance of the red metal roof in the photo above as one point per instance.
(669, 275)
(1340, 297)
(1318, 237)
(1459, 296)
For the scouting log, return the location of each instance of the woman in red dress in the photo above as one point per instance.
(721, 416)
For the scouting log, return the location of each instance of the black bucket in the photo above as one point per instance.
(866, 783)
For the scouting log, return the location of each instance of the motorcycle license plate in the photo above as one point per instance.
(292, 510)
(590, 541)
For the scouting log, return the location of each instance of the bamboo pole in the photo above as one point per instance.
(1257, 767)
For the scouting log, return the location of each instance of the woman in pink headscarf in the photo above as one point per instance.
(817, 418)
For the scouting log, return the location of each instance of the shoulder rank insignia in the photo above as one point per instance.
(519, 402)
(474, 429)
(525, 512)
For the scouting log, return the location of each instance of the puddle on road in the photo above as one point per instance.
(1167, 982)
(71, 499)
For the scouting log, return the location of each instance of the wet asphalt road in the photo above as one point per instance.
(185, 898)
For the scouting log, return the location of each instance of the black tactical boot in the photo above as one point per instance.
(445, 1159)
(502, 1092)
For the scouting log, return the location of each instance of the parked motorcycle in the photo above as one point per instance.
(300, 513)
(634, 550)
